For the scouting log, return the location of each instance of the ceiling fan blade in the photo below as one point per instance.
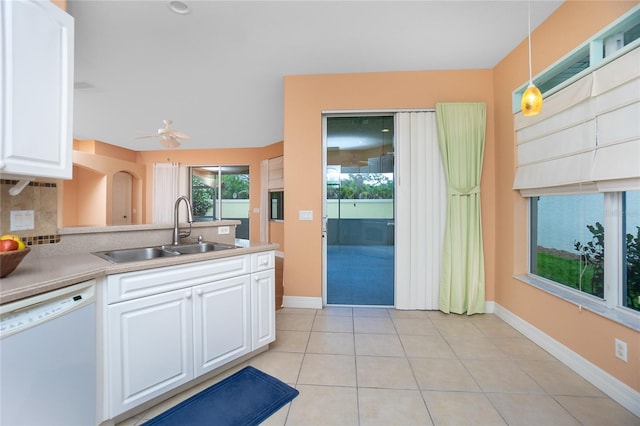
(146, 136)
(180, 135)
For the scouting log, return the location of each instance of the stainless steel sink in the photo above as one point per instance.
(200, 248)
(148, 253)
(134, 254)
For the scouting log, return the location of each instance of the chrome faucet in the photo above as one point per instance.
(176, 230)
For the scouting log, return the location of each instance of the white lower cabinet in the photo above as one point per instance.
(221, 325)
(263, 302)
(149, 347)
(196, 323)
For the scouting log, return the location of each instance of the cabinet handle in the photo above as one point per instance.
(256, 278)
(199, 292)
(187, 295)
(264, 262)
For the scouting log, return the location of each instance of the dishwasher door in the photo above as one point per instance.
(48, 359)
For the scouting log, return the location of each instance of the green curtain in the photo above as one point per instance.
(461, 133)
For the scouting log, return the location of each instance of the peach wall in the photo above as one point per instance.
(85, 199)
(103, 160)
(62, 4)
(276, 234)
(585, 333)
(306, 97)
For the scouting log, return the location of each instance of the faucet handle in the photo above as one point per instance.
(199, 239)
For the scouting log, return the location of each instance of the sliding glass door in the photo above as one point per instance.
(359, 210)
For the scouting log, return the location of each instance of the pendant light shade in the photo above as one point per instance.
(531, 100)
(531, 103)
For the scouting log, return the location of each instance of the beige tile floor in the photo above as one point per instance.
(373, 366)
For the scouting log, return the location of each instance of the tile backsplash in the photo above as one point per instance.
(42, 198)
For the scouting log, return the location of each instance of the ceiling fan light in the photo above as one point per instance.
(179, 7)
(531, 103)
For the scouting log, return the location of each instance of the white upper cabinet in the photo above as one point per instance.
(36, 77)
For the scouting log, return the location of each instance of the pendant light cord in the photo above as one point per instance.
(529, 39)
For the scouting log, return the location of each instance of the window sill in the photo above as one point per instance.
(623, 316)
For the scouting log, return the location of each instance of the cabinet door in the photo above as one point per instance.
(221, 322)
(36, 77)
(263, 310)
(149, 347)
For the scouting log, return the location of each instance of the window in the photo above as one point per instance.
(613, 41)
(568, 237)
(631, 258)
(221, 192)
(277, 205)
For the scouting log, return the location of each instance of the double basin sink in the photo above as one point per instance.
(148, 253)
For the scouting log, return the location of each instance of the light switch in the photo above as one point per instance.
(305, 214)
(22, 220)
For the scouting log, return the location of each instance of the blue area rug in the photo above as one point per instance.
(248, 397)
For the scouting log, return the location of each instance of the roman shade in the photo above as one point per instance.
(587, 137)
(276, 173)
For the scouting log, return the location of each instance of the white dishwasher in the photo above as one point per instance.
(48, 359)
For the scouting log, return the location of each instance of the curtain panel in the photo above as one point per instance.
(264, 201)
(420, 211)
(166, 177)
(461, 137)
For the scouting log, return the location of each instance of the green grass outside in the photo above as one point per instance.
(565, 271)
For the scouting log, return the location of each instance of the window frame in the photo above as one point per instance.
(279, 197)
(611, 305)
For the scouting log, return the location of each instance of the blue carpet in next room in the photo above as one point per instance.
(247, 397)
(360, 275)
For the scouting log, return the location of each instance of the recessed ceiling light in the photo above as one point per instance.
(179, 7)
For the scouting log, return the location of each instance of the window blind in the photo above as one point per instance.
(587, 137)
(276, 173)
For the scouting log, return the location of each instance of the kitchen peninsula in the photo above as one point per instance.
(194, 314)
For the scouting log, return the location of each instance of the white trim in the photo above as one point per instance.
(302, 302)
(614, 388)
(489, 307)
(358, 112)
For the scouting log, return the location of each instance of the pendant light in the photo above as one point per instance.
(531, 103)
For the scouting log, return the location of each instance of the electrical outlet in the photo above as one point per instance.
(223, 230)
(621, 349)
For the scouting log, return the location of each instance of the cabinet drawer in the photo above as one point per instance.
(132, 285)
(263, 261)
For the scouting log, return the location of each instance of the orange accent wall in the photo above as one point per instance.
(588, 334)
(305, 99)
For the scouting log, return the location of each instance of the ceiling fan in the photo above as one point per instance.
(169, 137)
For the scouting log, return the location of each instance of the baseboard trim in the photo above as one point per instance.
(302, 302)
(489, 307)
(620, 392)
